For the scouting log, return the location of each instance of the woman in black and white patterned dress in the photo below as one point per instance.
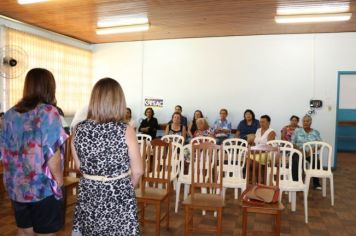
(105, 149)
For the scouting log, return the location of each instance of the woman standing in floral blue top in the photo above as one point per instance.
(32, 150)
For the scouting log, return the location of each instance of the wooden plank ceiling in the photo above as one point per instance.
(169, 19)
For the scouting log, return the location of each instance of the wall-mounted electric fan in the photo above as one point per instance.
(13, 62)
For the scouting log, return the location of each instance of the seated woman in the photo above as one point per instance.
(176, 127)
(128, 117)
(248, 127)
(203, 129)
(288, 130)
(192, 127)
(265, 133)
(150, 124)
(301, 136)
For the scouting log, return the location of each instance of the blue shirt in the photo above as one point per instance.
(246, 129)
(300, 137)
(222, 125)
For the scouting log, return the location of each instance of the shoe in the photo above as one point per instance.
(318, 188)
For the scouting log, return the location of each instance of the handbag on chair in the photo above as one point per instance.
(260, 194)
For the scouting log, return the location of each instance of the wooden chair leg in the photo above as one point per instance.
(158, 218)
(219, 224)
(244, 222)
(186, 220)
(168, 206)
(142, 206)
(278, 224)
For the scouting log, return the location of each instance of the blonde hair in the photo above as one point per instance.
(204, 122)
(107, 102)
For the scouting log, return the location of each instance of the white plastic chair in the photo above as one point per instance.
(185, 179)
(235, 141)
(141, 139)
(280, 143)
(322, 152)
(286, 182)
(202, 139)
(234, 162)
(174, 138)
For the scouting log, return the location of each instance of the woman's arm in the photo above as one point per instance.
(189, 129)
(166, 131)
(54, 165)
(184, 132)
(271, 136)
(134, 154)
(74, 153)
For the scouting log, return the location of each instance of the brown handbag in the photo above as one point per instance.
(260, 194)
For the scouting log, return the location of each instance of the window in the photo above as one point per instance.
(71, 67)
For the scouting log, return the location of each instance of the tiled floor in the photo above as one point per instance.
(324, 220)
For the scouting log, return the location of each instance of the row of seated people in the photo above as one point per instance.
(250, 129)
(254, 131)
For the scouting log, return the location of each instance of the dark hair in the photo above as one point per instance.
(39, 87)
(251, 112)
(223, 109)
(60, 111)
(266, 117)
(2, 114)
(201, 113)
(149, 108)
(294, 116)
(129, 109)
(180, 107)
(176, 113)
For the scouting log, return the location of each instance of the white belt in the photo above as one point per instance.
(105, 178)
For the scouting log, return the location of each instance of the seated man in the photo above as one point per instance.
(301, 136)
(222, 127)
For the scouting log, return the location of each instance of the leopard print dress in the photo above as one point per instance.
(104, 208)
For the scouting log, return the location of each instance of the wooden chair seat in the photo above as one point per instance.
(151, 194)
(204, 201)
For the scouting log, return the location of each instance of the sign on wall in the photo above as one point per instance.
(154, 102)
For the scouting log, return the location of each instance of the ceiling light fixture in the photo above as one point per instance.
(312, 18)
(334, 7)
(122, 21)
(122, 29)
(30, 1)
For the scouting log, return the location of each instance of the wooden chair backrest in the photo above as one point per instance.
(260, 158)
(69, 163)
(157, 165)
(206, 167)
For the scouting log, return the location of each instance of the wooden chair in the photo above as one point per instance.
(259, 159)
(206, 172)
(142, 140)
(69, 182)
(156, 182)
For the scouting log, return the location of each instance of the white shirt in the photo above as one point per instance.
(79, 116)
(262, 139)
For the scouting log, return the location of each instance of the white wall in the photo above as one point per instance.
(273, 74)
